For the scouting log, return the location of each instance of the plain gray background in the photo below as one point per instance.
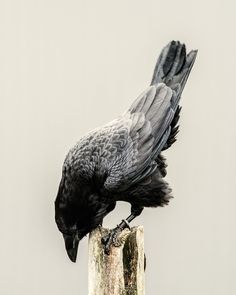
(69, 66)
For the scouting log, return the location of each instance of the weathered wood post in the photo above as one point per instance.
(121, 272)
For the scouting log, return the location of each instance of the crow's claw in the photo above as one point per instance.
(105, 239)
(111, 239)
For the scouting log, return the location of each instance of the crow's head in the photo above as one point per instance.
(71, 233)
(67, 224)
(67, 213)
(74, 211)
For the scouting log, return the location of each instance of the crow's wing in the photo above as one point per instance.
(151, 120)
(148, 126)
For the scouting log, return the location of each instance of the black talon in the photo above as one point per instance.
(110, 239)
(107, 251)
(104, 240)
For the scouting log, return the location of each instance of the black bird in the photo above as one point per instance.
(122, 160)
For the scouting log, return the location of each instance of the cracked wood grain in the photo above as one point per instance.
(121, 272)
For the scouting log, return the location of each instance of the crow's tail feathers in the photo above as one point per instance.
(173, 65)
(172, 68)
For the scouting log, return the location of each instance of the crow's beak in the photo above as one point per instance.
(71, 243)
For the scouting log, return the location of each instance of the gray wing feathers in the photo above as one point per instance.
(149, 119)
(155, 105)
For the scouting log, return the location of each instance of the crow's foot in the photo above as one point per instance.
(112, 239)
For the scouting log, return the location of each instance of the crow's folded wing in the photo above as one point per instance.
(151, 121)
(148, 126)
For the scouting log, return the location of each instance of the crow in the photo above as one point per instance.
(122, 160)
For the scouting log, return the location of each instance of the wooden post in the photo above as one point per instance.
(121, 272)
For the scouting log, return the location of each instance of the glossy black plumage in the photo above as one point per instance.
(122, 160)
